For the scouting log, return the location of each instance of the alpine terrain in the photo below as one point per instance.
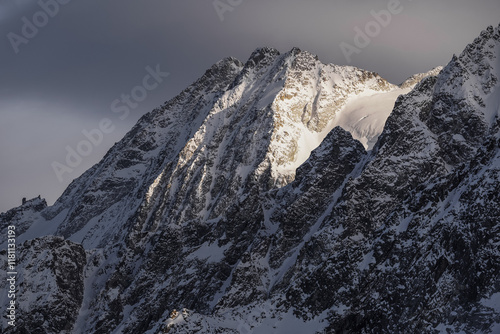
(281, 195)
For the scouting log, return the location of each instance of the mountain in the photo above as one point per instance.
(282, 195)
(412, 81)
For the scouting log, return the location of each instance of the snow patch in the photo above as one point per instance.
(364, 116)
(493, 302)
(209, 252)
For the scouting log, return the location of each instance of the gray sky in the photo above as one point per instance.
(67, 73)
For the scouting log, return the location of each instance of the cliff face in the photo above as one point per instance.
(246, 201)
(413, 242)
(50, 286)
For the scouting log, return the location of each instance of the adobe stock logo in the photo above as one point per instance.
(95, 137)
(372, 29)
(30, 28)
(223, 6)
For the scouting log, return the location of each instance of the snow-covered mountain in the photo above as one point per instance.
(412, 81)
(282, 195)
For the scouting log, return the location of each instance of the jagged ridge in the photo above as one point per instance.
(199, 206)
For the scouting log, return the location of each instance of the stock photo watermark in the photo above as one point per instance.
(11, 275)
(372, 29)
(31, 27)
(223, 6)
(95, 136)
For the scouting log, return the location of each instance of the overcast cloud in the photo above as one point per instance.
(65, 78)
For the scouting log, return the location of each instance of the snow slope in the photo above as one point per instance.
(364, 117)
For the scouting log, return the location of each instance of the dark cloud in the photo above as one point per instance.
(66, 77)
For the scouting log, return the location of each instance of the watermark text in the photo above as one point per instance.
(31, 27)
(223, 6)
(11, 275)
(364, 36)
(121, 106)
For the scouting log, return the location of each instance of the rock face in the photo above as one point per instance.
(50, 286)
(418, 248)
(23, 216)
(246, 201)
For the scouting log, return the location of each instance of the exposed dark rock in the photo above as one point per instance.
(207, 205)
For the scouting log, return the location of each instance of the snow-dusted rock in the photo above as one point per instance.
(50, 286)
(250, 200)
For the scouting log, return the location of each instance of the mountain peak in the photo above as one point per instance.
(483, 45)
(412, 81)
(224, 67)
(261, 54)
(474, 75)
(227, 61)
(303, 60)
(253, 198)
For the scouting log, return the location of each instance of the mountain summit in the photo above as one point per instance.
(282, 195)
